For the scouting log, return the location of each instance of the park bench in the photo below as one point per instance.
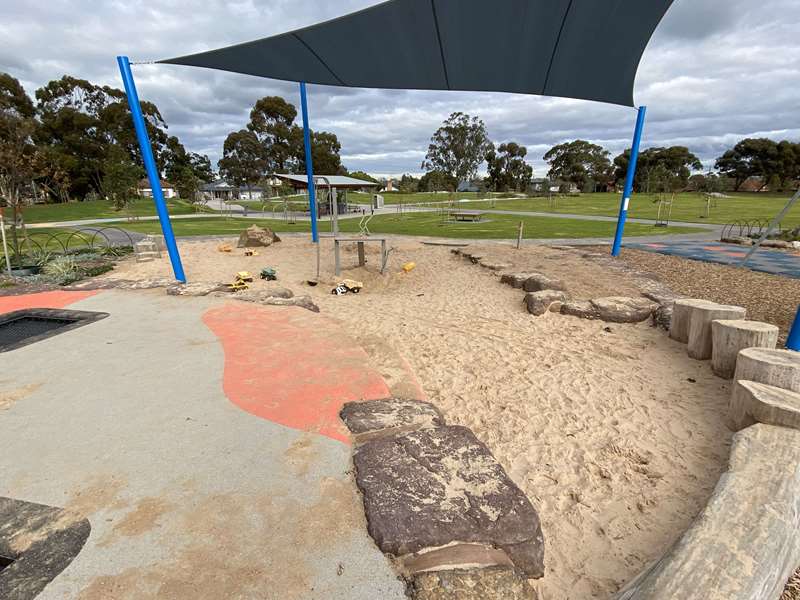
(361, 257)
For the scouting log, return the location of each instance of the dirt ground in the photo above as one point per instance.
(770, 298)
(614, 433)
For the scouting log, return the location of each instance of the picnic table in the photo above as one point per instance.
(465, 215)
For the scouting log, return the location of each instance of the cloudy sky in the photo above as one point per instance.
(716, 71)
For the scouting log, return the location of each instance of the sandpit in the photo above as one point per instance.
(612, 431)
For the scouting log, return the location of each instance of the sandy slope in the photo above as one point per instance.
(604, 430)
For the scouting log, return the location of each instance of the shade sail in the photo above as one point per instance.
(587, 49)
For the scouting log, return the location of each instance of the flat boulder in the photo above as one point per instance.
(538, 282)
(196, 288)
(433, 487)
(255, 236)
(538, 303)
(299, 301)
(619, 309)
(389, 417)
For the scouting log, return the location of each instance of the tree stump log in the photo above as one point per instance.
(744, 544)
(778, 368)
(700, 318)
(730, 337)
(681, 311)
(753, 402)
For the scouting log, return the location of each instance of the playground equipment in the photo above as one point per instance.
(664, 211)
(563, 60)
(363, 224)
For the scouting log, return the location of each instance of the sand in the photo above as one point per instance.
(617, 437)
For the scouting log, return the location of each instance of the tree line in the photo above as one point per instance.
(461, 145)
(272, 142)
(77, 141)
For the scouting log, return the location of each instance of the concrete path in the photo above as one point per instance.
(126, 421)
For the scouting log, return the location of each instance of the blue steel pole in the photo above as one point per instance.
(150, 166)
(626, 194)
(793, 343)
(312, 195)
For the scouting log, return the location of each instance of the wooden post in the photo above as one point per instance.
(361, 258)
(730, 337)
(779, 368)
(519, 234)
(753, 402)
(700, 341)
(681, 311)
(5, 244)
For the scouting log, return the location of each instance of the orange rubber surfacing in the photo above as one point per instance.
(54, 299)
(291, 366)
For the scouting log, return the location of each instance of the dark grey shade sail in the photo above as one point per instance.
(586, 49)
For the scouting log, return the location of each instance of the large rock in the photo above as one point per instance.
(744, 544)
(579, 308)
(197, 288)
(495, 265)
(434, 487)
(389, 417)
(619, 309)
(538, 303)
(475, 584)
(538, 282)
(260, 295)
(782, 244)
(515, 280)
(299, 301)
(255, 236)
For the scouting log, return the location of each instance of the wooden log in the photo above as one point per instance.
(778, 368)
(753, 402)
(681, 311)
(744, 544)
(730, 337)
(700, 318)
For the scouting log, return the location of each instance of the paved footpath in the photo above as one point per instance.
(205, 472)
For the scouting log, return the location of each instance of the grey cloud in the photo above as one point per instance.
(716, 71)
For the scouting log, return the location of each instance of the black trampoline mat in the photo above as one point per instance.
(24, 327)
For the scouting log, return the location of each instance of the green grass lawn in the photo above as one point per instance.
(687, 207)
(421, 224)
(98, 209)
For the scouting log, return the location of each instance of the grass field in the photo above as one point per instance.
(687, 207)
(419, 224)
(98, 209)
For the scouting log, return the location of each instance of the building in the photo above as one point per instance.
(145, 190)
(340, 182)
(340, 185)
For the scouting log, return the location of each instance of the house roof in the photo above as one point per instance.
(587, 49)
(218, 185)
(338, 181)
